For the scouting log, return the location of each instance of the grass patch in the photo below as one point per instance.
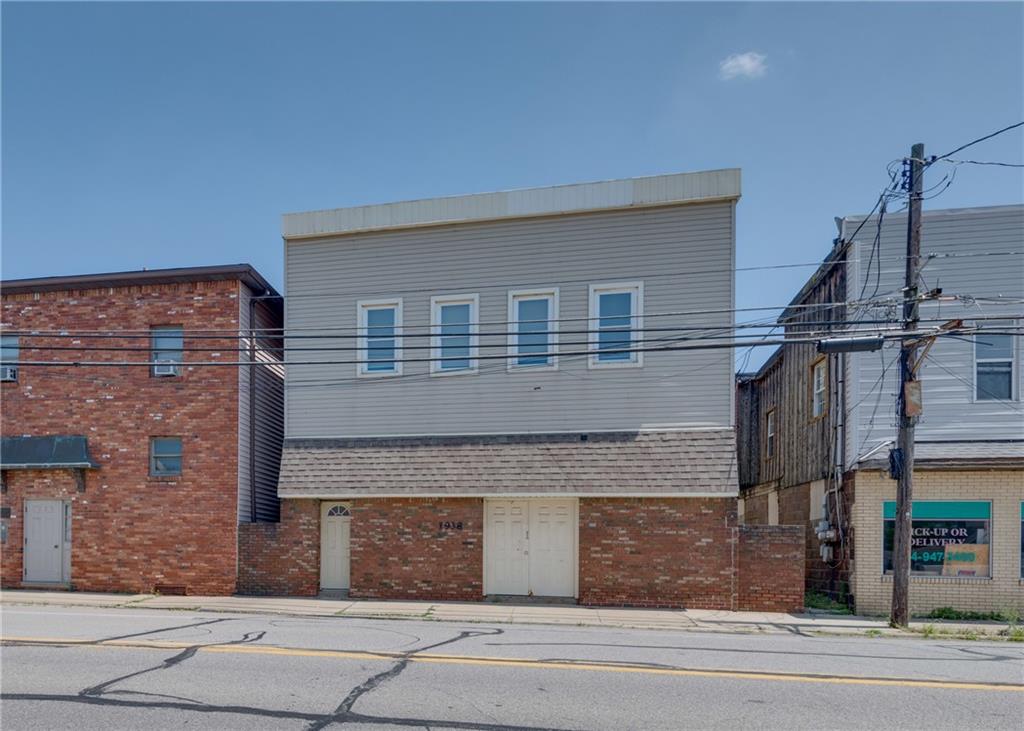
(1010, 616)
(821, 602)
(1016, 634)
(874, 633)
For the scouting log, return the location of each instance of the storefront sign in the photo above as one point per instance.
(948, 538)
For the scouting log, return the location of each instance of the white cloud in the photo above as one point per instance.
(749, 65)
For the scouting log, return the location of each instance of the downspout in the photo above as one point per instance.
(252, 410)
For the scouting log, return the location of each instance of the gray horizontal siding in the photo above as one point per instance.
(950, 411)
(570, 252)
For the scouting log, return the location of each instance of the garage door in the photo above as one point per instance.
(531, 547)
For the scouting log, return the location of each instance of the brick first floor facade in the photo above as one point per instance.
(968, 542)
(647, 552)
(984, 572)
(104, 532)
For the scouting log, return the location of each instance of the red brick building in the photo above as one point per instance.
(133, 475)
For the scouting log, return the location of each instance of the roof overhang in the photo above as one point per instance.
(645, 192)
(244, 273)
(45, 453)
(682, 463)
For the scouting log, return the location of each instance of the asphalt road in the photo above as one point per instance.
(137, 669)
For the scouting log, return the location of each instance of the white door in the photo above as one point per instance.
(44, 541)
(531, 547)
(552, 548)
(335, 523)
(508, 570)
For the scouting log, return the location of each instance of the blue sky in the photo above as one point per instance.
(153, 135)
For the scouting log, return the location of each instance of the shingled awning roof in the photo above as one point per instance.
(987, 454)
(649, 463)
(42, 453)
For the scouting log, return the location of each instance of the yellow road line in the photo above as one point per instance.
(523, 663)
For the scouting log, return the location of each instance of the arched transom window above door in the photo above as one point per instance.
(338, 511)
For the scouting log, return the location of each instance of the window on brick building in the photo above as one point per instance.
(167, 345)
(165, 456)
(9, 357)
(948, 538)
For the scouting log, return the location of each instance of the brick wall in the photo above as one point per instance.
(131, 532)
(770, 568)
(657, 552)
(755, 509)
(400, 552)
(281, 559)
(1004, 590)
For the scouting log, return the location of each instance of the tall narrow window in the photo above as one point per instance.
(454, 330)
(769, 434)
(167, 346)
(993, 364)
(165, 456)
(819, 388)
(380, 329)
(615, 324)
(9, 358)
(533, 321)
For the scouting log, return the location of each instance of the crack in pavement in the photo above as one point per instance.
(271, 713)
(100, 694)
(984, 657)
(167, 629)
(344, 709)
(187, 653)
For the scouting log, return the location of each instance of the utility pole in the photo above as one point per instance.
(909, 401)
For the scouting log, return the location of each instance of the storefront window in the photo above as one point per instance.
(948, 538)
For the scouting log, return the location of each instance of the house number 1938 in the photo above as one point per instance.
(450, 525)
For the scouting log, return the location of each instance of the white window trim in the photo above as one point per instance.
(513, 336)
(473, 300)
(593, 322)
(1014, 365)
(821, 364)
(362, 354)
(770, 438)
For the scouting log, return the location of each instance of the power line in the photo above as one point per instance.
(902, 335)
(979, 162)
(973, 142)
(341, 332)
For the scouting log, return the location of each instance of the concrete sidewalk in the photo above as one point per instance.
(690, 620)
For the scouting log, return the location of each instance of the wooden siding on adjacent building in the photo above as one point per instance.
(805, 445)
(683, 255)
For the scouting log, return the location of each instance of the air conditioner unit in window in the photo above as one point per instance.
(8, 373)
(165, 368)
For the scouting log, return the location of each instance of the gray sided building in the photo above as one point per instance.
(492, 395)
(814, 431)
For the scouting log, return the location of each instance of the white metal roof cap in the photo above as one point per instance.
(655, 190)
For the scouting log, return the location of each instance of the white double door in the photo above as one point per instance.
(531, 547)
